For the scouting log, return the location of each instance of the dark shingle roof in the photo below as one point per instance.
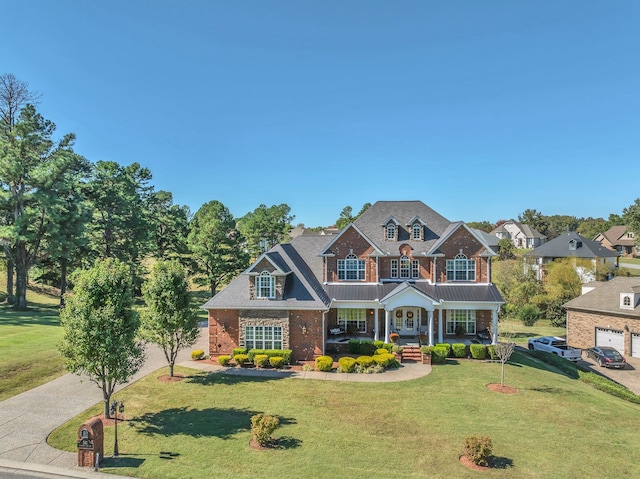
(606, 297)
(559, 248)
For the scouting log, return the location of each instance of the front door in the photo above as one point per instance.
(407, 321)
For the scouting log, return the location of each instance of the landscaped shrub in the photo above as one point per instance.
(276, 362)
(425, 350)
(354, 346)
(478, 449)
(260, 360)
(240, 359)
(447, 346)
(238, 351)
(378, 344)
(381, 351)
(388, 346)
(283, 353)
(491, 349)
(367, 347)
(224, 360)
(347, 364)
(478, 351)
(528, 314)
(373, 369)
(197, 354)
(385, 360)
(396, 349)
(459, 350)
(365, 361)
(324, 363)
(262, 427)
(439, 354)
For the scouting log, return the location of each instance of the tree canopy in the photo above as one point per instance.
(265, 227)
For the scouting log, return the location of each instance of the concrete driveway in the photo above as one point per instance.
(628, 377)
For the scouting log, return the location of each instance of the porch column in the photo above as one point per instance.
(430, 328)
(494, 336)
(376, 333)
(440, 338)
(387, 321)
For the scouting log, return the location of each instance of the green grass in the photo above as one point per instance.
(630, 260)
(28, 354)
(522, 333)
(554, 427)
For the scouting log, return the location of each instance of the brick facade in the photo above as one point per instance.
(351, 243)
(581, 328)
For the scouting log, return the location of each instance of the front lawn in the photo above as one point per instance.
(200, 427)
(522, 333)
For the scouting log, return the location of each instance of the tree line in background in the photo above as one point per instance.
(60, 212)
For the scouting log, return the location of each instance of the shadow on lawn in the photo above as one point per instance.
(231, 379)
(501, 462)
(35, 314)
(211, 422)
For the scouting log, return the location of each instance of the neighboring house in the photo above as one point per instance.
(607, 315)
(399, 267)
(523, 236)
(617, 238)
(572, 245)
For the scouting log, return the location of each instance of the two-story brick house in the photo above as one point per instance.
(400, 267)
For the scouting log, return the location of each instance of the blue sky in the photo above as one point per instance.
(481, 109)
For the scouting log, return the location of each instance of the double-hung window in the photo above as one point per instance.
(415, 268)
(416, 232)
(265, 285)
(351, 268)
(461, 320)
(263, 337)
(394, 268)
(461, 269)
(391, 232)
(352, 319)
(404, 267)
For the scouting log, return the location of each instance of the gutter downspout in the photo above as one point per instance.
(324, 331)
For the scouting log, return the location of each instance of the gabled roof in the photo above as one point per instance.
(390, 219)
(559, 248)
(302, 290)
(402, 211)
(414, 220)
(453, 227)
(276, 260)
(616, 235)
(526, 230)
(606, 297)
(327, 250)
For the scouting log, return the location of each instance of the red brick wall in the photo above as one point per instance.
(581, 328)
(462, 240)
(305, 344)
(349, 241)
(223, 342)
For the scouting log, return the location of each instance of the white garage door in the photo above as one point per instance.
(610, 337)
(635, 345)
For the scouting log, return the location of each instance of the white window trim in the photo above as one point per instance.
(461, 269)
(415, 268)
(351, 264)
(416, 228)
(270, 337)
(394, 268)
(357, 316)
(390, 232)
(265, 280)
(405, 267)
(466, 317)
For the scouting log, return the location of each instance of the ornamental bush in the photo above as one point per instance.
(197, 354)
(276, 362)
(478, 351)
(354, 346)
(347, 364)
(491, 349)
(224, 360)
(324, 363)
(381, 351)
(365, 361)
(478, 449)
(378, 344)
(367, 347)
(385, 360)
(240, 359)
(262, 427)
(238, 351)
(283, 353)
(425, 350)
(459, 350)
(261, 360)
(447, 346)
(439, 354)
(528, 314)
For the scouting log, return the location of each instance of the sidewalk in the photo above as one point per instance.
(27, 419)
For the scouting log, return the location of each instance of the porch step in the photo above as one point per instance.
(411, 353)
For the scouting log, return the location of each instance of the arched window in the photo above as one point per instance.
(404, 267)
(416, 231)
(351, 268)
(265, 285)
(391, 232)
(626, 301)
(461, 269)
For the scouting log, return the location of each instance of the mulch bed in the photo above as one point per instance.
(110, 422)
(465, 461)
(501, 389)
(273, 444)
(165, 378)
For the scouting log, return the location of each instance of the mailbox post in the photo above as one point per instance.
(90, 442)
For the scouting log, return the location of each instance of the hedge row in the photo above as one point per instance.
(361, 364)
(285, 354)
(367, 346)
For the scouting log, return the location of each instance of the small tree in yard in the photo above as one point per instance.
(100, 327)
(262, 427)
(169, 321)
(478, 449)
(504, 350)
(528, 314)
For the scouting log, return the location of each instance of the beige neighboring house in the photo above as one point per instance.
(523, 236)
(618, 238)
(606, 314)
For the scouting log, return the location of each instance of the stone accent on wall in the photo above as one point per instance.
(250, 317)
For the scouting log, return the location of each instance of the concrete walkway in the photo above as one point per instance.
(26, 420)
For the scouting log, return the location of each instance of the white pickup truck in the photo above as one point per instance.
(556, 346)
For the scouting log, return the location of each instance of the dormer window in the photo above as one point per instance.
(391, 232)
(265, 285)
(351, 268)
(461, 269)
(626, 301)
(574, 245)
(416, 231)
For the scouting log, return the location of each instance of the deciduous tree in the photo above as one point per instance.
(100, 327)
(169, 320)
(631, 217)
(265, 227)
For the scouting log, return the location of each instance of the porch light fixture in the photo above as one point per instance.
(224, 327)
(304, 329)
